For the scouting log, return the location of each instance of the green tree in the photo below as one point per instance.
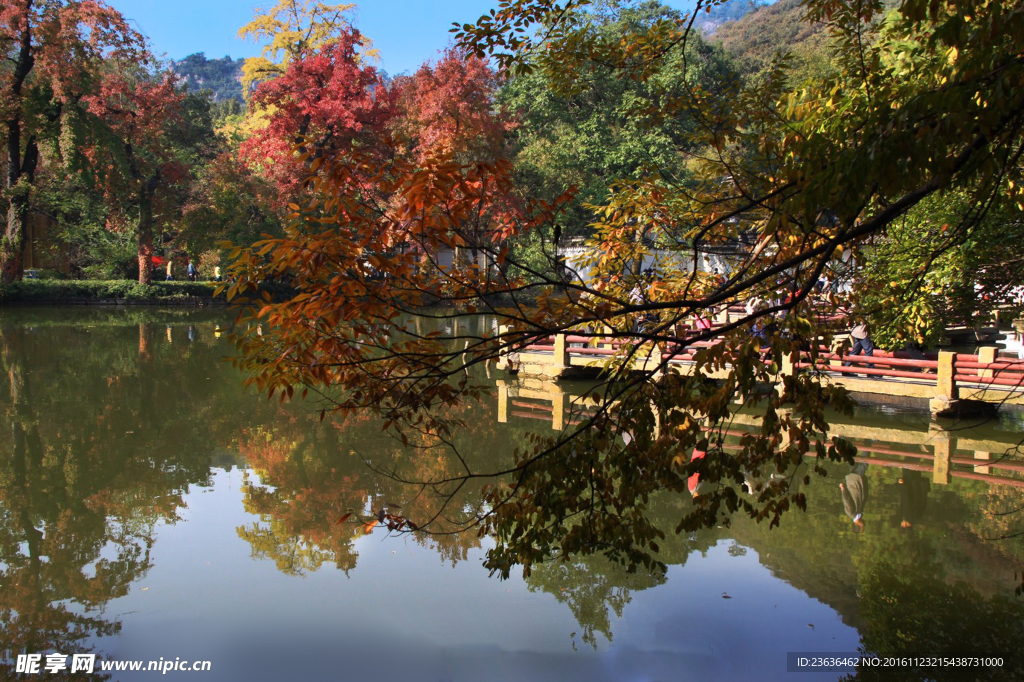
(923, 276)
(597, 130)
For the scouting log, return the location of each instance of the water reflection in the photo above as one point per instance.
(87, 473)
(114, 418)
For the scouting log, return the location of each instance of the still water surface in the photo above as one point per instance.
(151, 507)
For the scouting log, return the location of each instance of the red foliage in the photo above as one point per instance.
(328, 98)
(141, 114)
(449, 109)
(64, 40)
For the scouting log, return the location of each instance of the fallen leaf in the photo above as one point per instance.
(342, 519)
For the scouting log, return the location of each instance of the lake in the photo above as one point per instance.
(154, 509)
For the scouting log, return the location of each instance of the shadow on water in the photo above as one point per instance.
(113, 418)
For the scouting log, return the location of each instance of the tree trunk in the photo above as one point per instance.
(145, 235)
(20, 173)
(13, 242)
(20, 168)
(637, 265)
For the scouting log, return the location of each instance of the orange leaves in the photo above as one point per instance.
(447, 108)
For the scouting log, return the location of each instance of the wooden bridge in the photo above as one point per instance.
(950, 381)
(986, 455)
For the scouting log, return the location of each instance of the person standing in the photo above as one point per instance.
(854, 489)
(216, 273)
(170, 270)
(861, 343)
(192, 271)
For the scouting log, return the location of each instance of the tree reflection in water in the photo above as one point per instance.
(89, 471)
(912, 611)
(109, 426)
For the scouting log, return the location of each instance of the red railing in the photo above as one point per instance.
(984, 369)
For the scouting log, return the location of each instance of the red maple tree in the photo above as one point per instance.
(143, 115)
(326, 98)
(54, 50)
(449, 108)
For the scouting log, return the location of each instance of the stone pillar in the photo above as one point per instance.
(986, 356)
(838, 346)
(502, 401)
(943, 445)
(657, 421)
(558, 410)
(502, 362)
(946, 392)
(561, 359)
(785, 439)
(788, 366)
(982, 469)
(649, 359)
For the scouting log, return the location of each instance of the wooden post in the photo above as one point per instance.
(986, 356)
(502, 401)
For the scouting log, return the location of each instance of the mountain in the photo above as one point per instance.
(221, 76)
(755, 38)
(728, 11)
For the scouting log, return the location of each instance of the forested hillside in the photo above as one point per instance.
(220, 76)
(755, 38)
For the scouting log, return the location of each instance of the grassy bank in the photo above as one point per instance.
(70, 291)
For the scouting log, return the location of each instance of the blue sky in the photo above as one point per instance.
(407, 32)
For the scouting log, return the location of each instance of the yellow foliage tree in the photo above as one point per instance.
(291, 29)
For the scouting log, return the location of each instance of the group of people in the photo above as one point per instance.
(191, 271)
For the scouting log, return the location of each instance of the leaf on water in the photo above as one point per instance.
(342, 519)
